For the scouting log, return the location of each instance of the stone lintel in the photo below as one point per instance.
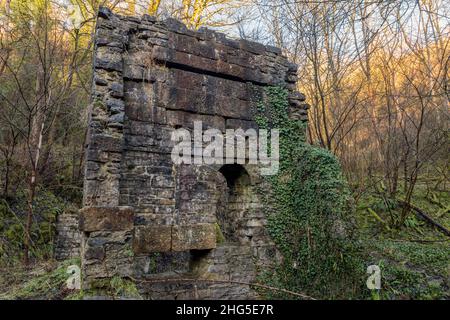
(118, 218)
(194, 237)
(148, 239)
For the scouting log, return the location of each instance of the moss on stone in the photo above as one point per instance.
(219, 235)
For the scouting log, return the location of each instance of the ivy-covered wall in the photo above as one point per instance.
(309, 212)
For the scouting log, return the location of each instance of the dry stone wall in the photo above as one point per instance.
(68, 237)
(145, 218)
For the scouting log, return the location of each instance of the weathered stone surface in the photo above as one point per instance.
(68, 236)
(146, 216)
(193, 237)
(240, 124)
(108, 58)
(186, 120)
(161, 262)
(106, 218)
(150, 239)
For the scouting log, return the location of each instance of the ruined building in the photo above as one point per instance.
(145, 218)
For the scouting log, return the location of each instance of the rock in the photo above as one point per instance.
(106, 218)
(193, 237)
(150, 239)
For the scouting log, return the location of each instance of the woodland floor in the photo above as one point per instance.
(414, 260)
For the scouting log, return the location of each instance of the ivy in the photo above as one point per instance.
(309, 211)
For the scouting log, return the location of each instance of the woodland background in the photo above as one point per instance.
(376, 74)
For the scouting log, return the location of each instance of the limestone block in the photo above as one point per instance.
(187, 119)
(108, 58)
(192, 45)
(106, 142)
(193, 237)
(106, 218)
(152, 239)
(240, 124)
(253, 47)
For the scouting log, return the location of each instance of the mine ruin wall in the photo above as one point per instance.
(145, 218)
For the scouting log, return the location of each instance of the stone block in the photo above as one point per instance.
(191, 45)
(230, 107)
(105, 142)
(194, 237)
(253, 47)
(240, 124)
(191, 100)
(108, 58)
(106, 219)
(149, 239)
(186, 120)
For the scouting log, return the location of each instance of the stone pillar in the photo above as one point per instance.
(106, 226)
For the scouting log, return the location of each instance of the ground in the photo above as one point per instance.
(414, 260)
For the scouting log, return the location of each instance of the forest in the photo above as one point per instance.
(375, 73)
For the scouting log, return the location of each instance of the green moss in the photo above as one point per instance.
(412, 270)
(123, 288)
(99, 104)
(220, 238)
(153, 263)
(113, 288)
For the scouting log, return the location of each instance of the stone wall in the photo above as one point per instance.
(145, 218)
(68, 237)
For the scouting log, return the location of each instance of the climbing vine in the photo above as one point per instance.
(309, 210)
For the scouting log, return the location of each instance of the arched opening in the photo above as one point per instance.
(233, 206)
(234, 202)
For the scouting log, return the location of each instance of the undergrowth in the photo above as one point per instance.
(13, 212)
(415, 259)
(45, 281)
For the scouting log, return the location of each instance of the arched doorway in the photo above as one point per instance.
(233, 202)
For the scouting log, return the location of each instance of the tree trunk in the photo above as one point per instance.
(31, 194)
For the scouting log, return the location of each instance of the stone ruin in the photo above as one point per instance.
(177, 231)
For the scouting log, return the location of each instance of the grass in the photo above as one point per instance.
(43, 281)
(48, 281)
(415, 259)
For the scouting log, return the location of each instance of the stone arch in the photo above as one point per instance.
(235, 200)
